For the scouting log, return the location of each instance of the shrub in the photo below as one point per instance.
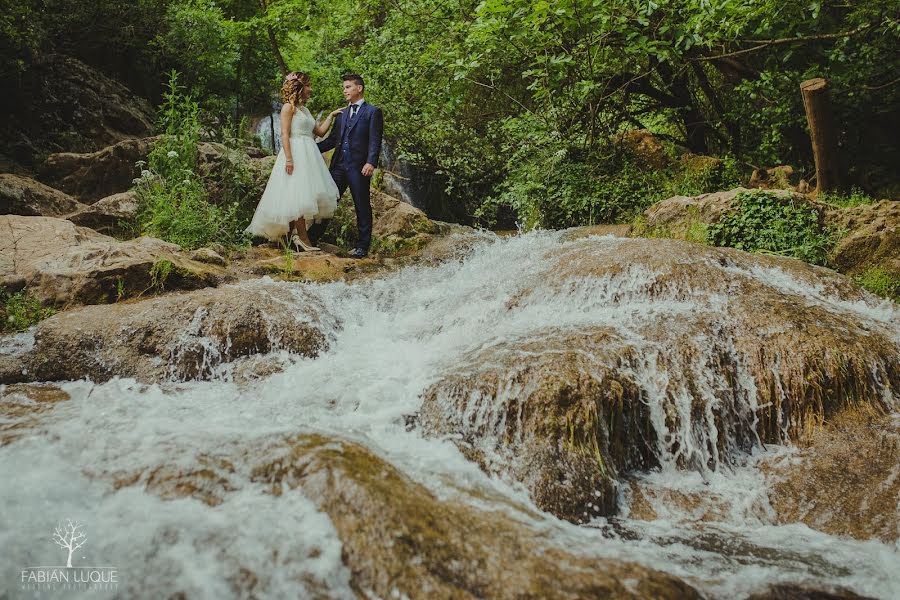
(174, 201)
(20, 311)
(774, 225)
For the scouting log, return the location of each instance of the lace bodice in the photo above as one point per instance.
(302, 123)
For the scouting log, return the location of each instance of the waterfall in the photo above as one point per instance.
(390, 339)
(268, 127)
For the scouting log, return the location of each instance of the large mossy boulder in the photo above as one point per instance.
(870, 247)
(62, 264)
(709, 353)
(398, 540)
(174, 337)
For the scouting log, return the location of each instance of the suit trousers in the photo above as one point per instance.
(346, 175)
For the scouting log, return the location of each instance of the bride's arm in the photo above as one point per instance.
(322, 128)
(287, 112)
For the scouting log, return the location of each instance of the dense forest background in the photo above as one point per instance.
(515, 109)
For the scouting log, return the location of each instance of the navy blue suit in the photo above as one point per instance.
(356, 142)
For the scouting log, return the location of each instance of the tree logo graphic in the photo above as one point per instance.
(71, 537)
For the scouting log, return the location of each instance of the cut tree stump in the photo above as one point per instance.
(823, 134)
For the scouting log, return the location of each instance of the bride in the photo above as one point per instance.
(300, 188)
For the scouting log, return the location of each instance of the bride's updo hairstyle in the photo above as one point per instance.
(292, 88)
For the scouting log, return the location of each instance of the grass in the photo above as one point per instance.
(20, 311)
(856, 197)
(159, 272)
(880, 282)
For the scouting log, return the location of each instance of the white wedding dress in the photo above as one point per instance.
(309, 192)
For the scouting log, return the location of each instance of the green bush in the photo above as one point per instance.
(770, 224)
(20, 311)
(701, 176)
(174, 201)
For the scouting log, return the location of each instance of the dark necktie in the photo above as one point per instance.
(353, 111)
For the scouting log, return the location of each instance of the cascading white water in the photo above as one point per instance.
(390, 338)
(267, 127)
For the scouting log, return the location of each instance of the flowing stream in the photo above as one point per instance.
(390, 338)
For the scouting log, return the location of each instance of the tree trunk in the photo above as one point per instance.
(823, 134)
(273, 42)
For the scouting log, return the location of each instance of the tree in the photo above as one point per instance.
(70, 537)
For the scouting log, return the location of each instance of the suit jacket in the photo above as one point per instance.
(364, 137)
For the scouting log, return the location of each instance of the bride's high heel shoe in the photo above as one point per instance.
(299, 245)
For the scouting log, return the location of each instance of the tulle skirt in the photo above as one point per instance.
(309, 192)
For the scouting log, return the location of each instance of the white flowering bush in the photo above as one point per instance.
(174, 202)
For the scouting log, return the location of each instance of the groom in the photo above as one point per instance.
(356, 139)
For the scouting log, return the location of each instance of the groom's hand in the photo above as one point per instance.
(367, 170)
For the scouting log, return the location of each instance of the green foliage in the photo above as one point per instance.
(771, 224)
(881, 282)
(174, 202)
(20, 311)
(159, 272)
(694, 230)
(484, 97)
(856, 197)
(701, 175)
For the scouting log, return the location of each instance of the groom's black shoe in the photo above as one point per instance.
(358, 253)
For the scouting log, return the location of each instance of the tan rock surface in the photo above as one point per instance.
(112, 215)
(63, 264)
(95, 175)
(24, 196)
(177, 336)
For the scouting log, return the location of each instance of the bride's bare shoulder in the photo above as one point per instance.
(287, 108)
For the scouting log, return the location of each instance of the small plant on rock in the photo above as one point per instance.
(770, 224)
(20, 311)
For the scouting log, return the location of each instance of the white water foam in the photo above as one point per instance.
(390, 338)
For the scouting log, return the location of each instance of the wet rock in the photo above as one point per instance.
(95, 175)
(398, 539)
(178, 336)
(789, 591)
(21, 406)
(564, 421)
(623, 231)
(872, 237)
(25, 196)
(63, 264)
(113, 215)
(845, 480)
(749, 359)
